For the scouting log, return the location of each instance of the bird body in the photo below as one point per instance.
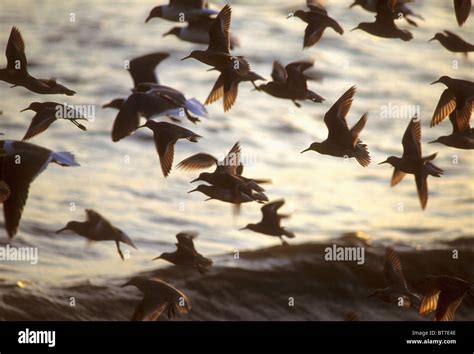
(270, 223)
(453, 42)
(97, 228)
(181, 10)
(317, 20)
(290, 83)
(384, 25)
(158, 297)
(458, 97)
(218, 55)
(396, 290)
(197, 31)
(227, 175)
(186, 254)
(165, 136)
(20, 164)
(47, 114)
(401, 8)
(16, 72)
(462, 136)
(342, 141)
(444, 294)
(149, 100)
(413, 162)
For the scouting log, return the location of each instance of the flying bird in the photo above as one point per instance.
(462, 136)
(165, 136)
(150, 100)
(317, 20)
(20, 164)
(342, 141)
(396, 290)
(16, 72)
(270, 223)
(384, 25)
(219, 57)
(413, 162)
(47, 113)
(227, 175)
(181, 10)
(217, 91)
(453, 42)
(158, 297)
(444, 294)
(197, 31)
(186, 254)
(400, 8)
(97, 228)
(290, 83)
(457, 97)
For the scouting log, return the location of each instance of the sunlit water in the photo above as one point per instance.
(325, 195)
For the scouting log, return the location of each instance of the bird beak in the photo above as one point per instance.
(194, 190)
(126, 284)
(434, 82)
(141, 126)
(166, 34)
(353, 4)
(383, 162)
(194, 180)
(60, 230)
(148, 19)
(355, 28)
(243, 228)
(305, 150)
(432, 142)
(189, 56)
(27, 108)
(154, 259)
(290, 16)
(432, 39)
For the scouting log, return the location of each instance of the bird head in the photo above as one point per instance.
(35, 106)
(195, 54)
(313, 146)
(437, 37)
(204, 176)
(115, 103)
(201, 188)
(443, 79)
(155, 12)
(72, 226)
(364, 26)
(441, 140)
(166, 256)
(297, 13)
(135, 281)
(392, 160)
(174, 31)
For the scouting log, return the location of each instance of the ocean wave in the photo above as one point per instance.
(278, 283)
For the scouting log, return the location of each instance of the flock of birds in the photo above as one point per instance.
(21, 162)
